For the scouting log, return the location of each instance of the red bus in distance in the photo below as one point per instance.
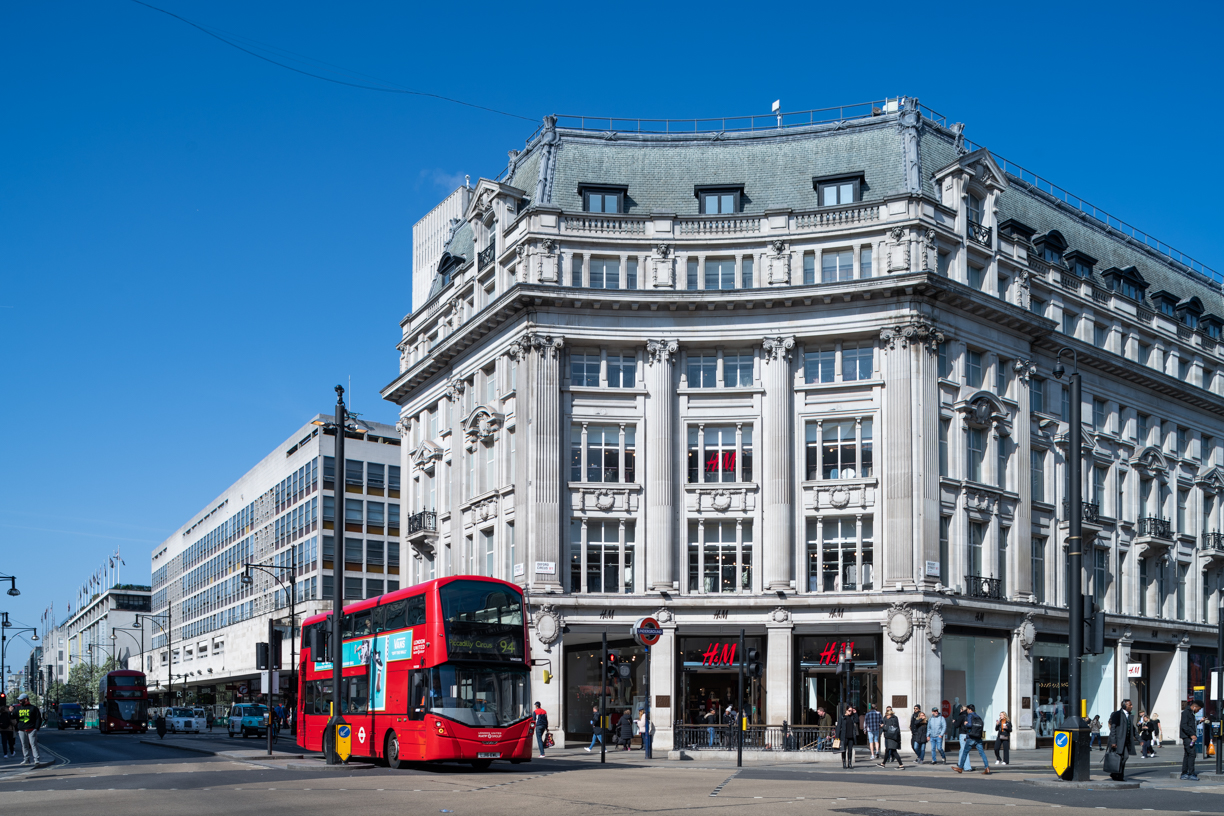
(437, 672)
(123, 702)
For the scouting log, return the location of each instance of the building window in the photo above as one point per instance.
(1037, 306)
(1039, 547)
(839, 559)
(1001, 559)
(975, 209)
(945, 365)
(597, 200)
(719, 201)
(1002, 460)
(839, 450)
(857, 363)
(977, 452)
(576, 270)
(1144, 581)
(605, 273)
(1100, 416)
(1037, 395)
(353, 513)
(720, 274)
(1182, 571)
(746, 273)
(720, 556)
(943, 260)
(837, 191)
(715, 456)
(1100, 335)
(977, 537)
(837, 265)
(737, 370)
(603, 453)
(865, 261)
(584, 370)
(809, 268)
(1100, 574)
(353, 589)
(702, 370)
(945, 427)
(1183, 514)
(976, 275)
(820, 366)
(1099, 475)
(1001, 377)
(1037, 474)
(691, 275)
(1065, 404)
(622, 370)
(973, 369)
(1070, 320)
(945, 535)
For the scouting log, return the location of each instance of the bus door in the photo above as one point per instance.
(355, 699)
(412, 738)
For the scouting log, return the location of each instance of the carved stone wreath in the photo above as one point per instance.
(664, 615)
(721, 501)
(840, 497)
(935, 625)
(604, 500)
(1026, 632)
(780, 615)
(899, 624)
(547, 624)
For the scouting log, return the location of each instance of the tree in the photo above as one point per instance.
(83, 679)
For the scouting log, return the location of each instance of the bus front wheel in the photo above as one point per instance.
(482, 764)
(392, 752)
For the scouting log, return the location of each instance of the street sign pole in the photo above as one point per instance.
(739, 714)
(603, 703)
(646, 746)
(1218, 690)
(646, 632)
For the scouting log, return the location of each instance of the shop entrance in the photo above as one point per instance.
(821, 686)
(714, 691)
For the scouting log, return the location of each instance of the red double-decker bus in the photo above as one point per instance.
(437, 672)
(123, 702)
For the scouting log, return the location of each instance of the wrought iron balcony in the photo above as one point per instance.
(1156, 528)
(1213, 541)
(979, 586)
(423, 522)
(1089, 511)
(979, 233)
(483, 257)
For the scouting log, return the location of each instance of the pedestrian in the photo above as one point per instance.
(919, 736)
(1094, 728)
(29, 720)
(892, 738)
(824, 729)
(971, 739)
(8, 730)
(1187, 732)
(710, 719)
(1121, 743)
(847, 732)
(596, 729)
(1157, 733)
(208, 718)
(960, 724)
(872, 721)
(1145, 736)
(913, 725)
(644, 729)
(161, 724)
(541, 725)
(937, 727)
(626, 729)
(1003, 732)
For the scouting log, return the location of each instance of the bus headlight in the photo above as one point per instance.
(440, 728)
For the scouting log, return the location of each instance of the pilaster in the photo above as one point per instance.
(776, 498)
(1020, 551)
(661, 482)
(542, 508)
(780, 669)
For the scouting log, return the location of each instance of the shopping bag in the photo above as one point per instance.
(837, 743)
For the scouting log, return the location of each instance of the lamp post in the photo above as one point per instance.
(289, 589)
(339, 427)
(5, 627)
(133, 637)
(166, 630)
(12, 590)
(1080, 756)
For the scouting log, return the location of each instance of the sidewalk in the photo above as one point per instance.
(220, 745)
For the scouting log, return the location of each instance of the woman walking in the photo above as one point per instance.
(847, 732)
(919, 736)
(1145, 736)
(892, 738)
(1003, 731)
(1094, 728)
(625, 729)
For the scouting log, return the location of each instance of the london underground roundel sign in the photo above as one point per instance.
(647, 631)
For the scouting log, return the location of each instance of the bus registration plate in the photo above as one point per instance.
(489, 755)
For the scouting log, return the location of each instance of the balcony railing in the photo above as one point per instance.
(979, 586)
(1213, 541)
(837, 218)
(423, 522)
(600, 225)
(979, 233)
(1156, 528)
(756, 738)
(483, 257)
(720, 226)
(1089, 511)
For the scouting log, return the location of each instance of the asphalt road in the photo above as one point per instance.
(97, 775)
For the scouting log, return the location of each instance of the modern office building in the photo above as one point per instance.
(282, 515)
(103, 627)
(794, 378)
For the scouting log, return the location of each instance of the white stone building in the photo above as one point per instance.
(103, 627)
(281, 512)
(797, 381)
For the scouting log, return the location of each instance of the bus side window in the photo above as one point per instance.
(394, 616)
(418, 690)
(416, 610)
(346, 627)
(361, 624)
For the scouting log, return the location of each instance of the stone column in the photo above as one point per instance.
(1020, 549)
(542, 446)
(663, 678)
(444, 553)
(909, 444)
(661, 482)
(775, 456)
(779, 666)
(1020, 661)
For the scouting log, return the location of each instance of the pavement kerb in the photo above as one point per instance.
(249, 754)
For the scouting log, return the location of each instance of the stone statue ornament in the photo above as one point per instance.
(1026, 633)
(547, 624)
(935, 626)
(918, 331)
(660, 351)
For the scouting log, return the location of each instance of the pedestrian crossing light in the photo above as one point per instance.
(611, 670)
(754, 668)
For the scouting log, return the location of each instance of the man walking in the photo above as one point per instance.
(937, 726)
(29, 720)
(1121, 739)
(872, 721)
(596, 729)
(960, 723)
(540, 717)
(972, 738)
(1187, 732)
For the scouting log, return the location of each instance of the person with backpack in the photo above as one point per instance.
(972, 738)
(892, 739)
(540, 717)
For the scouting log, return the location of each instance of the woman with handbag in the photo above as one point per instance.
(892, 738)
(847, 735)
(919, 736)
(1003, 731)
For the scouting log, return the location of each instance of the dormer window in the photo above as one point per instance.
(1017, 230)
(1166, 303)
(1126, 282)
(1210, 326)
(718, 200)
(833, 191)
(1189, 312)
(603, 199)
(975, 209)
(1080, 263)
(1051, 246)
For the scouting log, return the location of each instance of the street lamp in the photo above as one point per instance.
(1080, 756)
(289, 589)
(12, 590)
(169, 645)
(339, 427)
(5, 627)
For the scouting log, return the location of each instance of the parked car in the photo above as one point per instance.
(184, 719)
(248, 719)
(69, 715)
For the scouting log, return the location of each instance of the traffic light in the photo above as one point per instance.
(753, 667)
(318, 645)
(612, 670)
(1094, 627)
(278, 638)
(261, 656)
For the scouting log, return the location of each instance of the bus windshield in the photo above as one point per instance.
(483, 620)
(480, 695)
(130, 710)
(126, 680)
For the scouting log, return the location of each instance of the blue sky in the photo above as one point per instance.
(197, 245)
